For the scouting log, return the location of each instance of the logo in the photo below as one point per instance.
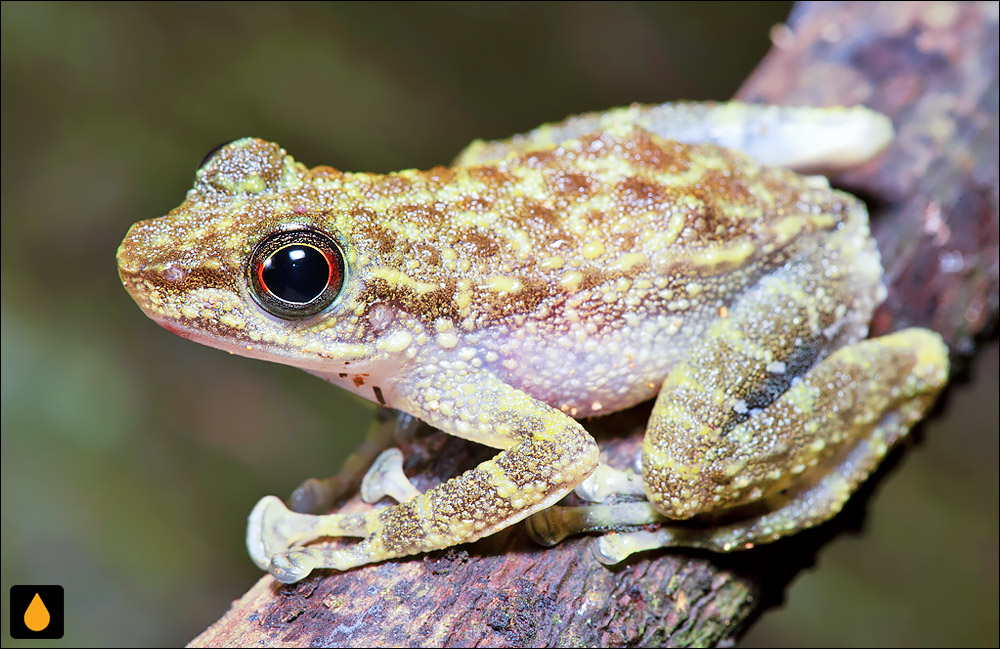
(36, 612)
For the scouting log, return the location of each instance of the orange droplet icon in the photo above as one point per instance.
(36, 617)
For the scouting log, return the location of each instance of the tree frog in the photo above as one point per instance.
(659, 251)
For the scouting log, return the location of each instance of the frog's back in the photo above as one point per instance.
(606, 255)
(582, 223)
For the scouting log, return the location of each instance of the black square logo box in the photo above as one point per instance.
(36, 612)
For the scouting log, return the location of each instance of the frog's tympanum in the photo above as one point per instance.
(651, 251)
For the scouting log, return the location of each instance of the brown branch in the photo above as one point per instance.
(933, 196)
(933, 69)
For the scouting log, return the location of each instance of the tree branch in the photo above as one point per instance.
(933, 69)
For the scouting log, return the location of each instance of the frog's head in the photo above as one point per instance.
(249, 263)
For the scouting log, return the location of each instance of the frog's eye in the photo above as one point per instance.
(296, 273)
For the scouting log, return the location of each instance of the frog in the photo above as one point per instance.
(682, 252)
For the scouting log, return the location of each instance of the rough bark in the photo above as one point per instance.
(931, 67)
(933, 195)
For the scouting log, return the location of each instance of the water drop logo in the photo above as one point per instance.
(37, 616)
(36, 612)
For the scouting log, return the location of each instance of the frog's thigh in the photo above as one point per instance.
(845, 397)
(829, 429)
(874, 389)
(717, 437)
(546, 454)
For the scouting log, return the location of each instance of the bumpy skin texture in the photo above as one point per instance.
(567, 273)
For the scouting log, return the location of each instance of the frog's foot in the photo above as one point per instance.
(550, 526)
(787, 513)
(319, 495)
(555, 524)
(605, 483)
(272, 529)
(295, 564)
(291, 566)
(386, 478)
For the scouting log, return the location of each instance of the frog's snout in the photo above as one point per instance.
(148, 271)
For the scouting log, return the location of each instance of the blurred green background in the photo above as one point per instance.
(131, 457)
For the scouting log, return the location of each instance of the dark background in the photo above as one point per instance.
(131, 457)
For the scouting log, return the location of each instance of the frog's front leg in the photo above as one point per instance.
(545, 454)
(386, 478)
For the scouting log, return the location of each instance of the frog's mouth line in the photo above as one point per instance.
(177, 331)
(337, 357)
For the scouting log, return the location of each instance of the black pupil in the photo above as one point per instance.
(296, 273)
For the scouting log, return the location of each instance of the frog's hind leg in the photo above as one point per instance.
(834, 137)
(777, 407)
(320, 495)
(790, 511)
(778, 390)
(778, 393)
(843, 397)
(273, 527)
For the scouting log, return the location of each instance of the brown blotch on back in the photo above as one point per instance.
(595, 217)
(428, 255)
(638, 195)
(438, 177)
(324, 172)
(535, 159)
(536, 214)
(394, 184)
(647, 150)
(572, 186)
(490, 176)
(544, 224)
(476, 244)
(715, 183)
